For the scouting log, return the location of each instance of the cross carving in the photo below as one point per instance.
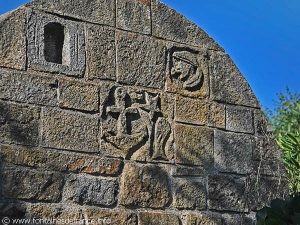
(122, 111)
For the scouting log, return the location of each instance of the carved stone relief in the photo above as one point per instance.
(187, 71)
(134, 126)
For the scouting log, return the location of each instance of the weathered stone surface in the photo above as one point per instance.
(227, 83)
(101, 52)
(111, 217)
(75, 95)
(109, 82)
(187, 71)
(73, 51)
(44, 211)
(193, 111)
(149, 218)
(67, 130)
(134, 15)
(61, 213)
(217, 115)
(233, 219)
(144, 186)
(239, 119)
(28, 184)
(140, 60)
(28, 88)
(13, 40)
(60, 161)
(83, 9)
(260, 123)
(194, 145)
(183, 171)
(272, 167)
(134, 125)
(189, 194)
(90, 190)
(233, 152)
(203, 219)
(227, 192)
(12, 210)
(19, 124)
(168, 24)
(266, 148)
(260, 194)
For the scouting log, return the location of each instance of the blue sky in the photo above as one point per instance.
(262, 37)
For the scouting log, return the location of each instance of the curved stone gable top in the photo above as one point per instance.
(125, 110)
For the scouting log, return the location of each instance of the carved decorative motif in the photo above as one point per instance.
(133, 120)
(186, 70)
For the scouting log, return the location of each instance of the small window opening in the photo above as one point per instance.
(54, 42)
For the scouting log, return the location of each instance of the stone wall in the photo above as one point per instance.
(143, 120)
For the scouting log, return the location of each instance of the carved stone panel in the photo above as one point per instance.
(123, 112)
(73, 52)
(134, 125)
(187, 71)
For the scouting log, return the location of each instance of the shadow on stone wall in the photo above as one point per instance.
(18, 125)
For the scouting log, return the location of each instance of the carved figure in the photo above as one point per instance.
(185, 71)
(124, 139)
(153, 129)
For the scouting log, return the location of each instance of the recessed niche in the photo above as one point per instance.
(55, 45)
(54, 38)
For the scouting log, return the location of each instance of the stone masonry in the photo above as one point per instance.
(125, 112)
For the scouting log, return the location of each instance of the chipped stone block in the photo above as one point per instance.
(239, 119)
(134, 15)
(189, 194)
(113, 217)
(90, 190)
(216, 116)
(233, 152)
(194, 145)
(227, 192)
(203, 219)
(260, 194)
(100, 52)
(140, 60)
(31, 184)
(193, 111)
(227, 84)
(144, 186)
(19, 124)
(68, 130)
(68, 55)
(60, 161)
(151, 218)
(170, 25)
(83, 9)
(75, 95)
(13, 40)
(28, 88)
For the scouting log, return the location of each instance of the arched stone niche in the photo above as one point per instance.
(144, 119)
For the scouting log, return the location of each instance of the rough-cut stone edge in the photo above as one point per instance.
(211, 44)
(59, 12)
(13, 14)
